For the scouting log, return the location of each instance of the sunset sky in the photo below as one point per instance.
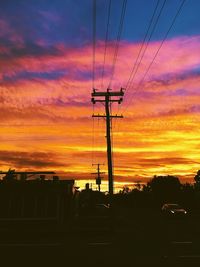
(46, 70)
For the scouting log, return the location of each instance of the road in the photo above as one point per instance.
(137, 240)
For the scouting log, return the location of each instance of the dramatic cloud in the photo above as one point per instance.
(29, 160)
(45, 91)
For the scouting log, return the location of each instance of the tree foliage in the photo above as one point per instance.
(165, 188)
(197, 177)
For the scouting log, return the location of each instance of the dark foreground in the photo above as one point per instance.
(142, 239)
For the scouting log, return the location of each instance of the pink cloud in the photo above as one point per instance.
(176, 58)
(165, 106)
(6, 31)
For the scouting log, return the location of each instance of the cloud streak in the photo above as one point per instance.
(45, 99)
(29, 160)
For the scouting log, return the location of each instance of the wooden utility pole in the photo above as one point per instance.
(106, 98)
(98, 177)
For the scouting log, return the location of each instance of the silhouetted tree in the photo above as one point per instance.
(187, 195)
(197, 189)
(165, 188)
(197, 178)
(138, 185)
(126, 190)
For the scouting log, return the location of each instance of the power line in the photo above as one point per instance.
(155, 55)
(94, 42)
(93, 68)
(165, 37)
(106, 43)
(118, 41)
(136, 64)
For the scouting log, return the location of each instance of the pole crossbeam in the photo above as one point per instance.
(107, 99)
(104, 116)
(107, 93)
(102, 100)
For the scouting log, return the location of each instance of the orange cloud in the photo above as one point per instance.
(45, 104)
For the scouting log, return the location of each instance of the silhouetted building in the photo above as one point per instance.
(37, 200)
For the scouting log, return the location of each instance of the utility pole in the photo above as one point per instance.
(98, 177)
(106, 99)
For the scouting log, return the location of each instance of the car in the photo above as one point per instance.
(173, 210)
